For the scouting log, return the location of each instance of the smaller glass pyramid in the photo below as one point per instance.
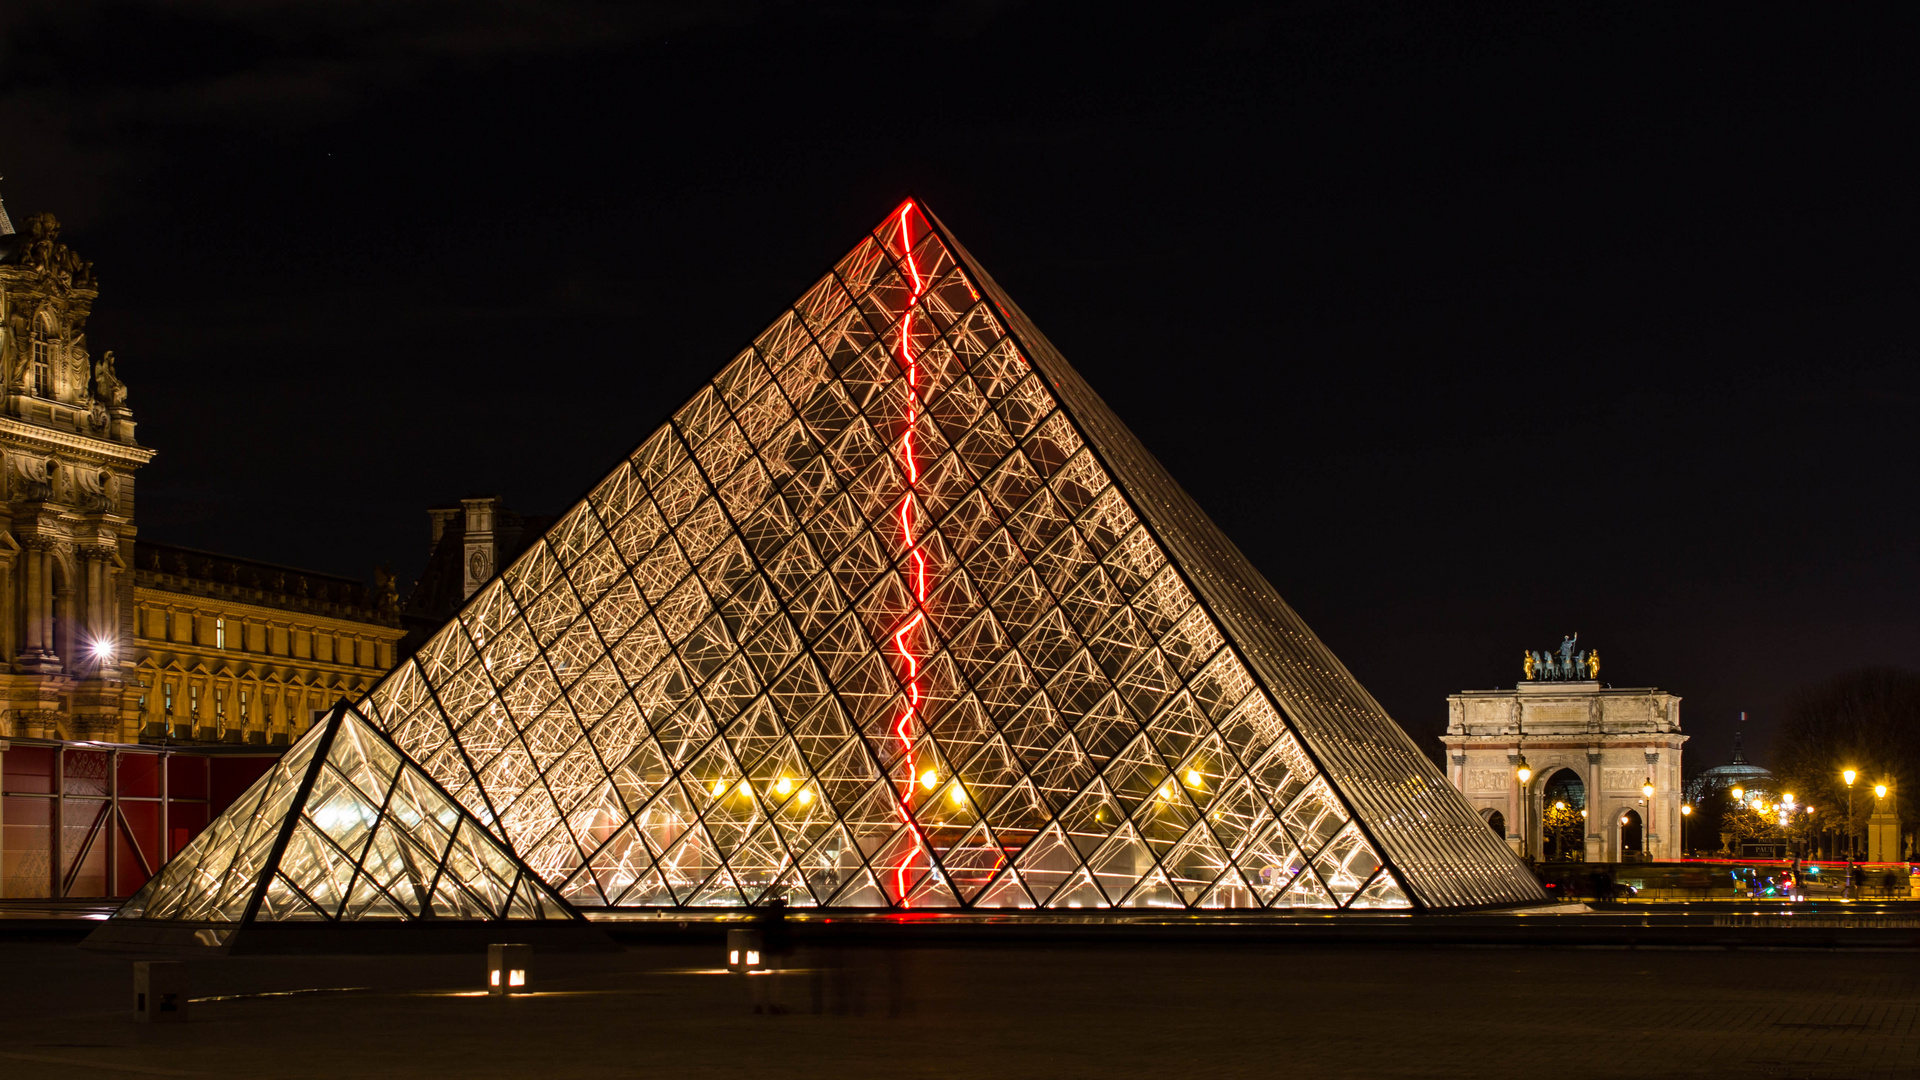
(344, 829)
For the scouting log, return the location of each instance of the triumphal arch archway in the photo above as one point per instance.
(1618, 741)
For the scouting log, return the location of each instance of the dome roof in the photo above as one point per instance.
(1737, 771)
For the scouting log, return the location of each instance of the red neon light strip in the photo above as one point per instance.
(902, 726)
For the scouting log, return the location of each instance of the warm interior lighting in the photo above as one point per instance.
(805, 796)
(930, 779)
(516, 977)
(733, 957)
(719, 788)
(959, 795)
(783, 785)
(753, 958)
(1166, 790)
(1194, 778)
(744, 790)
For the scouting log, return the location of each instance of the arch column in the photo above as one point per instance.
(1596, 841)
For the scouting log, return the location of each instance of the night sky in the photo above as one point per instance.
(1473, 327)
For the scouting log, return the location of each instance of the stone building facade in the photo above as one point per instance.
(235, 651)
(67, 463)
(111, 640)
(129, 670)
(1614, 740)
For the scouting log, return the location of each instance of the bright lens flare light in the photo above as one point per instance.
(1194, 779)
(1849, 776)
(782, 786)
(805, 796)
(1879, 791)
(929, 779)
(719, 788)
(101, 649)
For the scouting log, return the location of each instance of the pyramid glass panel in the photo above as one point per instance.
(344, 828)
(895, 612)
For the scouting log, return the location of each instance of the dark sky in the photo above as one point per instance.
(1474, 324)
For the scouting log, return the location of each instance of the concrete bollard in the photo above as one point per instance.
(507, 967)
(160, 991)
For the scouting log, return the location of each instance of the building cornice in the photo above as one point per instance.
(205, 660)
(216, 599)
(105, 449)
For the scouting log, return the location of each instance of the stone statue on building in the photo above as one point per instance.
(1565, 664)
(106, 382)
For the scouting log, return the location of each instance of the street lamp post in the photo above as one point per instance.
(1849, 775)
(1686, 811)
(1646, 791)
(1522, 772)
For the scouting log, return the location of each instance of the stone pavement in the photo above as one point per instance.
(1058, 1012)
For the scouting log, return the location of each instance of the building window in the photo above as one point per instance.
(219, 706)
(42, 372)
(193, 701)
(166, 619)
(219, 633)
(245, 716)
(166, 697)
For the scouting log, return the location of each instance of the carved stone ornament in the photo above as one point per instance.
(56, 263)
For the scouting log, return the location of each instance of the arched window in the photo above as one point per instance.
(1496, 821)
(40, 374)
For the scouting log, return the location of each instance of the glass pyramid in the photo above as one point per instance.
(344, 829)
(896, 613)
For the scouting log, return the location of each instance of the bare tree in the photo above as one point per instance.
(1868, 720)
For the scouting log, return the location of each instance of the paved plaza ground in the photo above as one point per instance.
(1115, 1010)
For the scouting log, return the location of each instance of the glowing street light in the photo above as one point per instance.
(1879, 791)
(1739, 793)
(1646, 789)
(1849, 775)
(1522, 771)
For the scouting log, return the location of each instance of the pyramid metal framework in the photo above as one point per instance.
(343, 829)
(896, 613)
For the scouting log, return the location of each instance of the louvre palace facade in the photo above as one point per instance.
(141, 685)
